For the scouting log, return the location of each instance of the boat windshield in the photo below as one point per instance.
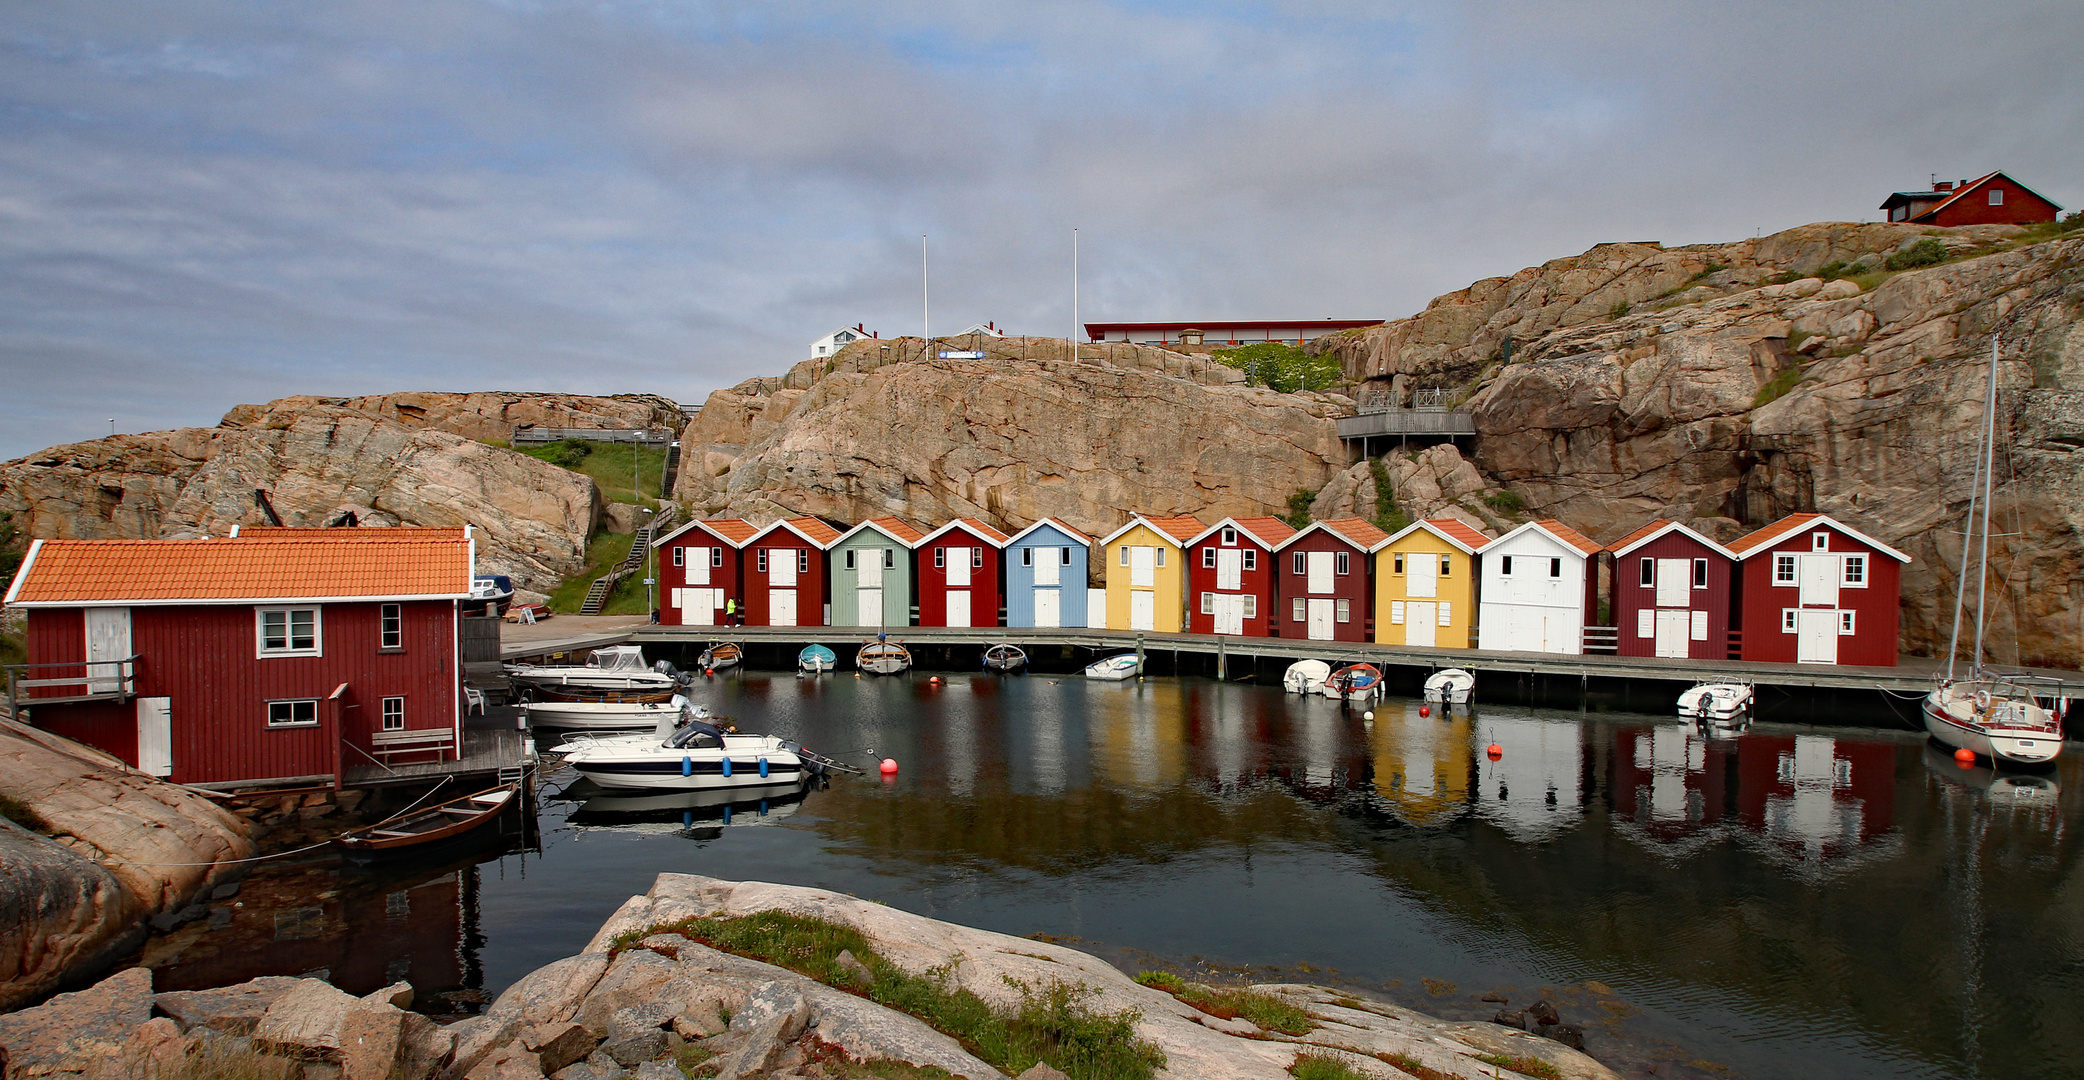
(618, 658)
(696, 734)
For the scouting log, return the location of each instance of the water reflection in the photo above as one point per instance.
(1535, 788)
(1422, 764)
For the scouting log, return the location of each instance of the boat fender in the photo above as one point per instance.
(763, 768)
(687, 766)
(727, 766)
(1982, 699)
(1965, 756)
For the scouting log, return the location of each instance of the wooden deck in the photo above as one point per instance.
(492, 744)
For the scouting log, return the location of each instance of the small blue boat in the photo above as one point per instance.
(816, 659)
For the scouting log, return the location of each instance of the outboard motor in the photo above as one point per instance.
(669, 722)
(666, 668)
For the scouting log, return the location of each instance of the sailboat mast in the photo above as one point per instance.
(1982, 580)
(1975, 490)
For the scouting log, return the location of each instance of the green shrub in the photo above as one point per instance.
(1299, 501)
(1388, 516)
(571, 453)
(1530, 1066)
(1506, 502)
(1620, 308)
(1926, 252)
(1286, 368)
(1310, 1065)
(1415, 1067)
(1777, 387)
(1269, 1012)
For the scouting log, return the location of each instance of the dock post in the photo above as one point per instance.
(1222, 660)
(1139, 652)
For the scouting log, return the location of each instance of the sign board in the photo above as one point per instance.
(962, 354)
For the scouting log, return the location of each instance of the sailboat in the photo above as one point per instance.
(2005, 716)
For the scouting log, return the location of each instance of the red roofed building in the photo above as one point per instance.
(1230, 576)
(281, 656)
(785, 580)
(1991, 199)
(1539, 590)
(1813, 591)
(1322, 583)
(960, 568)
(699, 571)
(1672, 589)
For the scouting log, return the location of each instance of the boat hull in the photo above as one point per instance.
(605, 697)
(437, 825)
(1454, 687)
(656, 769)
(1005, 658)
(1306, 677)
(598, 716)
(2017, 746)
(1115, 669)
(1715, 704)
(816, 660)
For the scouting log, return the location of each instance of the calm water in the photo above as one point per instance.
(1792, 902)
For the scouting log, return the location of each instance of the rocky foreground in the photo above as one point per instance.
(659, 1006)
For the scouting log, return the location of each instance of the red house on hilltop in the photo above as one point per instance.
(1672, 589)
(1230, 576)
(1812, 591)
(279, 657)
(785, 573)
(1992, 199)
(959, 574)
(699, 570)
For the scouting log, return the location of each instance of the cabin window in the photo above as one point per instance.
(1648, 576)
(293, 713)
(1344, 561)
(1345, 610)
(1787, 620)
(940, 558)
(1504, 566)
(289, 631)
(1251, 606)
(1783, 569)
(1124, 549)
(390, 621)
(1446, 565)
(1396, 563)
(1845, 622)
(760, 560)
(976, 557)
(1301, 611)
(1301, 567)
(1996, 196)
(1855, 576)
(1027, 556)
(1208, 603)
(848, 560)
(1700, 573)
(1229, 536)
(1251, 559)
(716, 556)
(1555, 568)
(679, 556)
(1065, 554)
(803, 561)
(1819, 541)
(1161, 556)
(1208, 558)
(394, 713)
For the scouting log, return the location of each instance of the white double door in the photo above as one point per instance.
(1322, 613)
(1229, 611)
(698, 607)
(1674, 631)
(1421, 619)
(1049, 607)
(1143, 609)
(1816, 637)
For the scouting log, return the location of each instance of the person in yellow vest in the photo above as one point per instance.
(730, 611)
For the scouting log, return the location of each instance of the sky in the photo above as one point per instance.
(208, 203)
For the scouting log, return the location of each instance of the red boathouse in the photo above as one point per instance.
(699, 571)
(1672, 589)
(1323, 583)
(284, 656)
(959, 574)
(785, 573)
(1230, 576)
(1812, 591)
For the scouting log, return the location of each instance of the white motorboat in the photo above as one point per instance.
(1718, 703)
(883, 657)
(1306, 677)
(2004, 716)
(1354, 682)
(601, 715)
(1450, 686)
(612, 667)
(697, 756)
(1005, 657)
(1115, 668)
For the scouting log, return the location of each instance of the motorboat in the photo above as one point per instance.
(883, 657)
(1719, 703)
(601, 715)
(1450, 686)
(489, 595)
(697, 756)
(1306, 677)
(720, 655)
(2005, 716)
(611, 667)
(816, 659)
(1115, 668)
(1005, 657)
(1354, 682)
(418, 829)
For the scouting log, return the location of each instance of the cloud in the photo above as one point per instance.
(206, 203)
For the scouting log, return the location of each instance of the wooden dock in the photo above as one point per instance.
(494, 746)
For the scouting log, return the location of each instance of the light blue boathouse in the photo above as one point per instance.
(1046, 575)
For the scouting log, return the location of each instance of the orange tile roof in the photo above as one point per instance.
(1359, 532)
(259, 564)
(1461, 530)
(1569, 536)
(1075, 534)
(1638, 534)
(813, 529)
(1749, 542)
(1182, 528)
(736, 530)
(1270, 530)
(975, 526)
(898, 528)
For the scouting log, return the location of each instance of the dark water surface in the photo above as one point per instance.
(1791, 902)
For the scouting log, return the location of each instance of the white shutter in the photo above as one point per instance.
(1446, 613)
(1645, 622)
(1421, 575)
(1048, 566)
(1674, 582)
(1320, 571)
(1143, 563)
(1230, 564)
(958, 566)
(698, 566)
(1396, 611)
(1700, 626)
(781, 571)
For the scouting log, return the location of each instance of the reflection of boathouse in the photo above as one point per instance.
(1672, 787)
(1813, 801)
(1534, 790)
(1421, 763)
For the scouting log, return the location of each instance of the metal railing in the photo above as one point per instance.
(610, 435)
(100, 680)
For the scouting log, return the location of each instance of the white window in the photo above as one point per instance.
(390, 621)
(1783, 570)
(288, 631)
(1066, 555)
(889, 560)
(1345, 609)
(976, 557)
(1700, 573)
(1820, 541)
(1555, 568)
(803, 562)
(716, 556)
(1396, 612)
(293, 713)
(1229, 536)
(1504, 566)
(1446, 613)
(1301, 611)
(940, 558)
(679, 555)
(1124, 549)
(1251, 559)
(1787, 620)
(1996, 196)
(1855, 576)
(1845, 622)
(1343, 562)
(394, 713)
(1648, 576)
(1208, 603)
(1161, 556)
(760, 560)
(1208, 558)
(848, 559)
(1446, 565)
(1251, 606)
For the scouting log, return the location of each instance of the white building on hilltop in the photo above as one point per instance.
(837, 340)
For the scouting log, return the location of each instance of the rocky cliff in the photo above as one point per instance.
(396, 459)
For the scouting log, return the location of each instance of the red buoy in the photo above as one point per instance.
(1425, 710)
(889, 766)
(709, 671)
(1494, 751)
(1965, 756)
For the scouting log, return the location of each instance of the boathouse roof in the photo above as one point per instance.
(1751, 544)
(263, 565)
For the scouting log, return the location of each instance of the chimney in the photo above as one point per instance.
(1942, 185)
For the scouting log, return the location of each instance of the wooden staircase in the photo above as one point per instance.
(597, 593)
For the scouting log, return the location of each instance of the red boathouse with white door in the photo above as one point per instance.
(1230, 576)
(699, 571)
(282, 656)
(785, 577)
(959, 570)
(1814, 591)
(1672, 589)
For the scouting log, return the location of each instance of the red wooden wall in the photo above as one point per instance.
(1877, 607)
(1258, 582)
(1353, 586)
(726, 577)
(987, 593)
(1630, 596)
(811, 584)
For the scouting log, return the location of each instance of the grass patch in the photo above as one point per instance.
(602, 552)
(216, 1058)
(1286, 368)
(1795, 338)
(1267, 1011)
(1052, 1023)
(609, 464)
(1507, 502)
(1415, 1067)
(1926, 252)
(691, 1059)
(1388, 516)
(1299, 501)
(18, 812)
(1620, 309)
(1520, 1063)
(2051, 230)
(1777, 387)
(1313, 1066)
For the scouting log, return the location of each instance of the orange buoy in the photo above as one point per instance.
(1965, 755)
(889, 766)
(1425, 710)
(1494, 751)
(935, 679)
(709, 671)
(1969, 764)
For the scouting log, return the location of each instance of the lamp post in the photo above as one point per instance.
(650, 575)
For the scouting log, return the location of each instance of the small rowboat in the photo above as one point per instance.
(1354, 682)
(721, 654)
(1005, 657)
(429, 825)
(1450, 686)
(1115, 668)
(816, 659)
(882, 657)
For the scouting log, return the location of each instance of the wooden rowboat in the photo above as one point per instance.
(432, 824)
(721, 654)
